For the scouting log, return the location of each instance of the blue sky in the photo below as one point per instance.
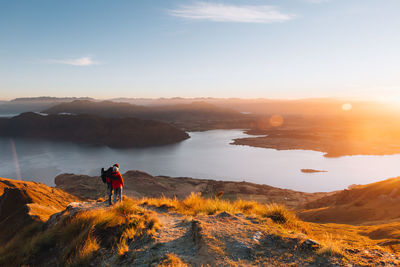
(248, 48)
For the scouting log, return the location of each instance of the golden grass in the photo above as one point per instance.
(340, 239)
(76, 239)
(86, 252)
(195, 204)
(122, 247)
(330, 246)
(172, 260)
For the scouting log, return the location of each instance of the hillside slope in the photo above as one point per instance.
(22, 203)
(372, 203)
(193, 231)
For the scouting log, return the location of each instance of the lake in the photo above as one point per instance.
(207, 155)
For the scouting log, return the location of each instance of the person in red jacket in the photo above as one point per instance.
(117, 183)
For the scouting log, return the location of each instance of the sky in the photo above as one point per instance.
(218, 48)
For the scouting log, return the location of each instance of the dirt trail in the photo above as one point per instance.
(174, 236)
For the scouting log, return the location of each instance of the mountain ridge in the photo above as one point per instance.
(92, 130)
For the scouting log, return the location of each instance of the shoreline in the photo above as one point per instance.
(282, 140)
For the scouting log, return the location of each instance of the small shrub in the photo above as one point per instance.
(249, 207)
(280, 214)
(129, 233)
(161, 202)
(330, 247)
(122, 247)
(172, 260)
(153, 225)
(86, 252)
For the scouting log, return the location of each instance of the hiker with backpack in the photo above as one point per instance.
(114, 181)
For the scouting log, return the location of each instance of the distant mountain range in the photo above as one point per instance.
(309, 107)
(34, 104)
(192, 116)
(49, 98)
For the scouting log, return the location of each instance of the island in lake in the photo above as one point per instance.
(311, 171)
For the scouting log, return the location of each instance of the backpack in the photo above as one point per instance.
(103, 175)
(107, 173)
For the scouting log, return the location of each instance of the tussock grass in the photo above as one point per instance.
(331, 246)
(161, 202)
(195, 204)
(172, 260)
(77, 238)
(122, 247)
(86, 252)
(280, 214)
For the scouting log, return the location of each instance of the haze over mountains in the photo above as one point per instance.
(310, 106)
(191, 116)
(336, 127)
(35, 104)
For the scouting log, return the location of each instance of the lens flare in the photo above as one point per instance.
(15, 157)
(276, 120)
(347, 106)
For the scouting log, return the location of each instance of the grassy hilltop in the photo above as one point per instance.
(167, 231)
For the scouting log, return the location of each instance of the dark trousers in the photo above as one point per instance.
(109, 191)
(117, 193)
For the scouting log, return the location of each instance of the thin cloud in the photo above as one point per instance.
(231, 13)
(317, 1)
(83, 61)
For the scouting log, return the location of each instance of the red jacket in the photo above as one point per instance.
(116, 180)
